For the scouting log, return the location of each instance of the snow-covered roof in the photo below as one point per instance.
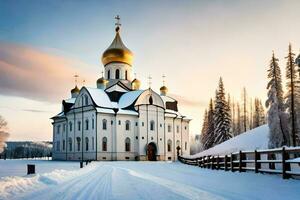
(128, 112)
(167, 99)
(105, 110)
(99, 97)
(70, 100)
(128, 98)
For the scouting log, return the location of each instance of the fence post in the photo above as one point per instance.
(225, 163)
(231, 162)
(240, 161)
(285, 166)
(212, 162)
(256, 159)
(218, 163)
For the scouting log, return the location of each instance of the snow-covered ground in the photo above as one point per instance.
(254, 139)
(144, 180)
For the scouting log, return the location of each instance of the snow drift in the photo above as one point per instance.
(257, 138)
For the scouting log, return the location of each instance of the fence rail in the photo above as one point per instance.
(284, 161)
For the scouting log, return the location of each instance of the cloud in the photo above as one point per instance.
(35, 110)
(188, 102)
(31, 73)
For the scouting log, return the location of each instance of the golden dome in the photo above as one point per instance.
(117, 52)
(75, 90)
(135, 84)
(163, 90)
(102, 81)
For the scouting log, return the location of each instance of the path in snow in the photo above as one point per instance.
(148, 180)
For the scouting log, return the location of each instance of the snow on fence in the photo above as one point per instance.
(284, 161)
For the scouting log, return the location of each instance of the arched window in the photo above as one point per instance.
(108, 74)
(126, 74)
(117, 74)
(169, 145)
(104, 144)
(64, 144)
(104, 124)
(87, 124)
(150, 100)
(127, 144)
(152, 125)
(78, 143)
(177, 143)
(70, 144)
(93, 123)
(86, 143)
(93, 143)
(70, 126)
(86, 100)
(127, 125)
(79, 125)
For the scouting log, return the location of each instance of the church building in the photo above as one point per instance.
(117, 120)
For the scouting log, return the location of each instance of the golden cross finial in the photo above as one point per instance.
(117, 18)
(76, 77)
(163, 76)
(149, 81)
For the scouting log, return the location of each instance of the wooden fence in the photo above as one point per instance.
(276, 161)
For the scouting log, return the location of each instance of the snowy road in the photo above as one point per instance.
(147, 180)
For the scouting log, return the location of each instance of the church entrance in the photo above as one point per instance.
(151, 151)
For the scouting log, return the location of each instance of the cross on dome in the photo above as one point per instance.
(117, 24)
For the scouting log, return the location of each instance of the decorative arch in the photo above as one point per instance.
(127, 144)
(104, 124)
(151, 151)
(117, 74)
(127, 125)
(104, 144)
(78, 139)
(86, 143)
(169, 145)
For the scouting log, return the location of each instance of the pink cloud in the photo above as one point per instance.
(34, 74)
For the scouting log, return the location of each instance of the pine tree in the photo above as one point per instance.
(233, 120)
(292, 97)
(209, 140)
(229, 112)
(222, 118)
(204, 128)
(239, 121)
(277, 119)
(245, 111)
(262, 116)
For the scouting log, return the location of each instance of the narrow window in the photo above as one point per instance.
(104, 124)
(87, 124)
(152, 125)
(185, 145)
(108, 74)
(78, 143)
(169, 128)
(177, 129)
(70, 126)
(127, 125)
(127, 144)
(64, 145)
(104, 144)
(86, 100)
(117, 74)
(70, 144)
(119, 122)
(93, 143)
(86, 143)
(126, 74)
(169, 145)
(58, 129)
(79, 125)
(93, 123)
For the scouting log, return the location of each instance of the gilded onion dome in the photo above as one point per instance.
(117, 52)
(136, 84)
(75, 90)
(102, 80)
(163, 90)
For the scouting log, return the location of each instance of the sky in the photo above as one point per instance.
(44, 43)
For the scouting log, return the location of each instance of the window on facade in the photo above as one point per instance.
(142, 123)
(127, 125)
(111, 122)
(177, 129)
(127, 144)
(93, 123)
(119, 122)
(185, 128)
(104, 124)
(169, 145)
(108, 74)
(169, 128)
(104, 144)
(64, 145)
(117, 74)
(79, 125)
(93, 143)
(136, 123)
(160, 125)
(70, 126)
(58, 146)
(126, 75)
(78, 143)
(86, 100)
(87, 124)
(185, 145)
(86, 143)
(58, 129)
(152, 125)
(70, 144)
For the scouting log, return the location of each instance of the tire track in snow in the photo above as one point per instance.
(186, 191)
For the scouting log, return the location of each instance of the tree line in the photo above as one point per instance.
(226, 118)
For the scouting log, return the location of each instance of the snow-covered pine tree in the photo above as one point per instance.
(229, 112)
(222, 118)
(262, 115)
(277, 118)
(209, 141)
(238, 121)
(245, 111)
(204, 128)
(292, 97)
(233, 120)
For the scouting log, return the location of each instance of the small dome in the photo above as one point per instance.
(102, 81)
(135, 84)
(75, 90)
(163, 90)
(117, 52)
